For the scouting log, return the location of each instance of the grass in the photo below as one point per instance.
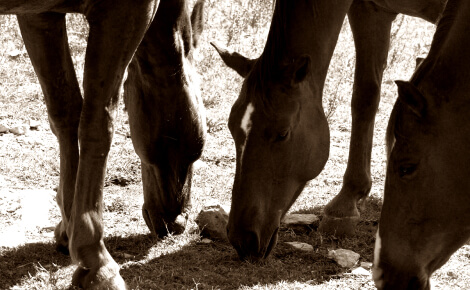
(184, 262)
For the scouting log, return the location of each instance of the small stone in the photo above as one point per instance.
(345, 258)
(212, 221)
(3, 128)
(20, 130)
(14, 53)
(300, 219)
(452, 274)
(301, 246)
(206, 241)
(366, 265)
(34, 125)
(124, 255)
(199, 164)
(360, 272)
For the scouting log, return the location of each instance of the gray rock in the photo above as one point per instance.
(20, 129)
(300, 246)
(360, 272)
(3, 128)
(345, 258)
(34, 125)
(212, 221)
(366, 265)
(299, 219)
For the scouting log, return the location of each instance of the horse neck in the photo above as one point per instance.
(446, 70)
(170, 29)
(305, 27)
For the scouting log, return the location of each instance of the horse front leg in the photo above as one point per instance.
(115, 32)
(45, 38)
(371, 30)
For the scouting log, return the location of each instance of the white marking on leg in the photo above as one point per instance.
(376, 271)
(246, 124)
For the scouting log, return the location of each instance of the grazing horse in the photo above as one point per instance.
(426, 212)
(84, 126)
(278, 123)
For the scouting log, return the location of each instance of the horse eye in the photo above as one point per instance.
(282, 136)
(407, 169)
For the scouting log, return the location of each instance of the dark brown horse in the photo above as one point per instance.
(278, 122)
(426, 212)
(84, 126)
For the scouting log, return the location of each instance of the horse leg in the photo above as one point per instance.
(115, 32)
(371, 30)
(45, 38)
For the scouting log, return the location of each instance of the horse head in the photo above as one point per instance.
(166, 117)
(282, 139)
(426, 211)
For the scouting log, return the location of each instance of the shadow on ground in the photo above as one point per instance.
(216, 266)
(148, 263)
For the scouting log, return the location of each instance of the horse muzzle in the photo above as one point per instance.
(386, 277)
(252, 245)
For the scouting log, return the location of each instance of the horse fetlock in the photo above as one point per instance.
(104, 277)
(61, 239)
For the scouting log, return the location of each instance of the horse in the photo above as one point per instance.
(160, 71)
(278, 122)
(426, 210)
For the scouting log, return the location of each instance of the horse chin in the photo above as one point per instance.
(272, 243)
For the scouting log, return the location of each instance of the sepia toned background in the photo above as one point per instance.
(29, 172)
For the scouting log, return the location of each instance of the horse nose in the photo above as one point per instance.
(246, 243)
(389, 276)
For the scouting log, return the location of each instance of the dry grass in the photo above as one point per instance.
(183, 262)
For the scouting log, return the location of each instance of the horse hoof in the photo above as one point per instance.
(105, 277)
(61, 239)
(344, 226)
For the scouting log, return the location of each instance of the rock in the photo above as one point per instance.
(299, 219)
(14, 53)
(212, 221)
(360, 272)
(301, 246)
(199, 164)
(20, 129)
(345, 258)
(34, 125)
(366, 265)
(206, 241)
(3, 128)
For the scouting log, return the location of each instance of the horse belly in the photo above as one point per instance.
(38, 6)
(429, 10)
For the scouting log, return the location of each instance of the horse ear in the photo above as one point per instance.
(241, 64)
(412, 97)
(419, 61)
(298, 70)
(197, 21)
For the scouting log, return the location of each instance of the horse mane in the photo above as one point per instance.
(440, 39)
(268, 67)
